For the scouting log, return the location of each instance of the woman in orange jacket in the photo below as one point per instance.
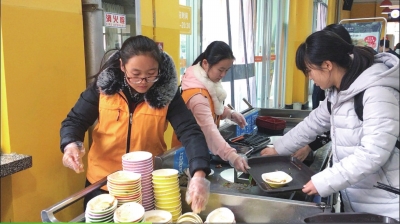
(133, 98)
(204, 96)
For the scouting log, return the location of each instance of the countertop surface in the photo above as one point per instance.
(12, 163)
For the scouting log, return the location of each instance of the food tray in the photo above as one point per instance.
(300, 173)
(270, 123)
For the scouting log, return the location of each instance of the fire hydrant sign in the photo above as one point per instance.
(114, 20)
(185, 19)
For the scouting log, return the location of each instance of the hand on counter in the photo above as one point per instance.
(269, 151)
(73, 154)
(198, 191)
(302, 153)
(309, 188)
(239, 162)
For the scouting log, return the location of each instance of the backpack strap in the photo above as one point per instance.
(329, 104)
(358, 104)
(359, 108)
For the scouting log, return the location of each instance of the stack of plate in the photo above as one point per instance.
(101, 208)
(189, 217)
(141, 162)
(167, 192)
(125, 186)
(157, 216)
(129, 212)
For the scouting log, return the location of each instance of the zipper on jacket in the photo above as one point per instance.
(128, 139)
(131, 110)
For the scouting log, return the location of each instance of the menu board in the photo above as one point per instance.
(365, 33)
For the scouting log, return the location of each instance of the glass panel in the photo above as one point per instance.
(114, 36)
(190, 44)
(270, 53)
(262, 28)
(239, 82)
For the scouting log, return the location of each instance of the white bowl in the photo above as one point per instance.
(101, 204)
(221, 215)
(129, 212)
(124, 176)
(276, 179)
(157, 216)
(137, 156)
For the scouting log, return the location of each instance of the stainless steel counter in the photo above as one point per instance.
(249, 203)
(252, 205)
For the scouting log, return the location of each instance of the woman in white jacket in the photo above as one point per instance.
(364, 152)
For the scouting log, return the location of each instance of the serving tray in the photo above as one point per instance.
(300, 173)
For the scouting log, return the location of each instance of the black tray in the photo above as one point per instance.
(300, 173)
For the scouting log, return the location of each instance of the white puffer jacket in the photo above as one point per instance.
(364, 153)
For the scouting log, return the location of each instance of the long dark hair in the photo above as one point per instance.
(133, 46)
(341, 31)
(215, 52)
(327, 46)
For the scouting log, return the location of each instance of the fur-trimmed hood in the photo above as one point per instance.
(111, 81)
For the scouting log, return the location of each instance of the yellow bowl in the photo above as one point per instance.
(168, 194)
(165, 173)
(165, 182)
(167, 204)
(276, 179)
(166, 190)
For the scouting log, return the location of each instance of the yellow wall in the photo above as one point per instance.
(43, 74)
(332, 17)
(166, 30)
(300, 14)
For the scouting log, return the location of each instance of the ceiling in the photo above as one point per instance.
(396, 3)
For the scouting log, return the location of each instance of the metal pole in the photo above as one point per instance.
(278, 57)
(228, 19)
(92, 13)
(245, 53)
(138, 18)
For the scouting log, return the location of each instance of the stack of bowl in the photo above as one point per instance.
(189, 217)
(157, 216)
(167, 192)
(141, 162)
(129, 212)
(101, 208)
(221, 215)
(125, 186)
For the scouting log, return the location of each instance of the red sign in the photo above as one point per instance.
(260, 58)
(114, 20)
(371, 41)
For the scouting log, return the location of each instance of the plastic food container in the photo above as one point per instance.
(270, 125)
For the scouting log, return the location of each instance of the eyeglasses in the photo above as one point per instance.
(137, 80)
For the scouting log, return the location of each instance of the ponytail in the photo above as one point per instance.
(109, 61)
(215, 52)
(363, 58)
(199, 59)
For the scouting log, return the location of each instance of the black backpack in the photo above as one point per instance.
(359, 107)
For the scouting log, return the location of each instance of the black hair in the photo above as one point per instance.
(340, 31)
(133, 46)
(215, 52)
(327, 46)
